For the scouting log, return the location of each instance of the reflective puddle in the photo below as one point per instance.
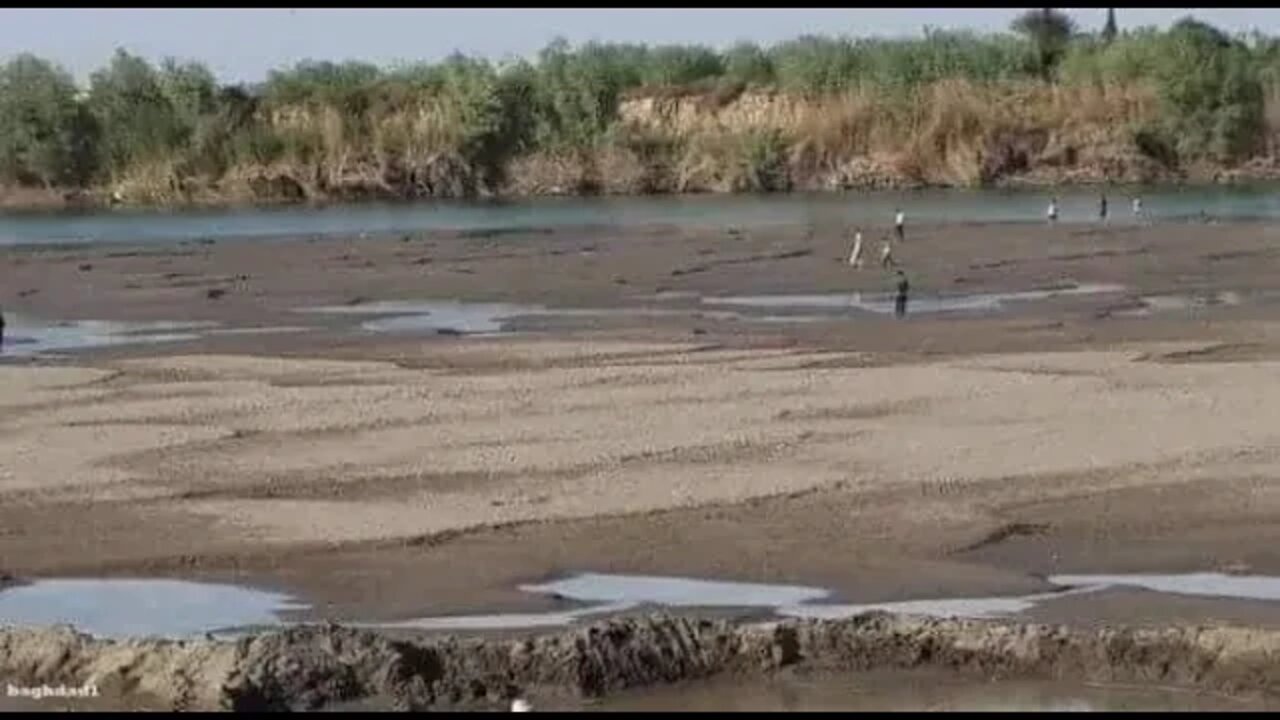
(452, 317)
(432, 315)
(27, 336)
(675, 592)
(883, 303)
(1245, 587)
(144, 607)
(174, 608)
(604, 594)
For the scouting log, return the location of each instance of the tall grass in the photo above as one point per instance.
(931, 106)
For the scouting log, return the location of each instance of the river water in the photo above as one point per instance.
(741, 211)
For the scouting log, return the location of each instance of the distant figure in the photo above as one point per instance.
(899, 224)
(1102, 207)
(900, 302)
(855, 256)
(1, 329)
(1137, 208)
(886, 254)
(1052, 213)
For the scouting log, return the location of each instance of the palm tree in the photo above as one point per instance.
(1050, 31)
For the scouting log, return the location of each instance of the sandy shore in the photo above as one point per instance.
(382, 476)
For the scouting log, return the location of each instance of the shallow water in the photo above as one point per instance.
(740, 211)
(179, 608)
(479, 318)
(432, 315)
(674, 591)
(506, 621)
(916, 690)
(1247, 587)
(28, 336)
(884, 303)
(140, 607)
(970, 608)
(602, 594)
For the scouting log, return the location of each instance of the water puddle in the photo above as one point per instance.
(278, 330)
(675, 592)
(133, 608)
(173, 608)
(603, 594)
(507, 621)
(887, 691)
(442, 316)
(454, 317)
(25, 337)
(1151, 304)
(1244, 587)
(883, 303)
(968, 608)
(29, 337)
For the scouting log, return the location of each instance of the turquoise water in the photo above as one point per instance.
(740, 211)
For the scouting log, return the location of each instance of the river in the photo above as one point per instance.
(743, 211)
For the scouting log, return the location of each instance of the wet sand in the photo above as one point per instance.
(383, 476)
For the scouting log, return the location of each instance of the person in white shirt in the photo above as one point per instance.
(855, 256)
(899, 224)
(886, 254)
(1137, 208)
(1052, 212)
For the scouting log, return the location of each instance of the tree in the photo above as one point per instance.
(45, 135)
(1050, 31)
(1109, 31)
(138, 121)
(746, 62)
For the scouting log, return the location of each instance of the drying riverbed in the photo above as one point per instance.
(410, 433)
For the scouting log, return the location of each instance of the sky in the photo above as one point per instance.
(242, 45)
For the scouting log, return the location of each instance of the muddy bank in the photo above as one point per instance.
(310, 668)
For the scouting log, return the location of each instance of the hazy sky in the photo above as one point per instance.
(243, 44)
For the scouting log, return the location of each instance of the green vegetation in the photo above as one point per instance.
(462, 126)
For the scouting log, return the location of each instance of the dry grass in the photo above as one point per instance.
(937, 134)
(941, 134)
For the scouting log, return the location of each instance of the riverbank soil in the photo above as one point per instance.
(381, 476)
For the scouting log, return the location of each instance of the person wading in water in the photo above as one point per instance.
(1052, 212)
(855, 255)
(900, 224)
(900, 302)
(886, 254)
(1102, 207)
(1, 328)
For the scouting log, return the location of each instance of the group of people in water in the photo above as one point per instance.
(903, 287)
(1052, 213)
(886, 259)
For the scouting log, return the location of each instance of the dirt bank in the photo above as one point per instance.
(310, 668)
